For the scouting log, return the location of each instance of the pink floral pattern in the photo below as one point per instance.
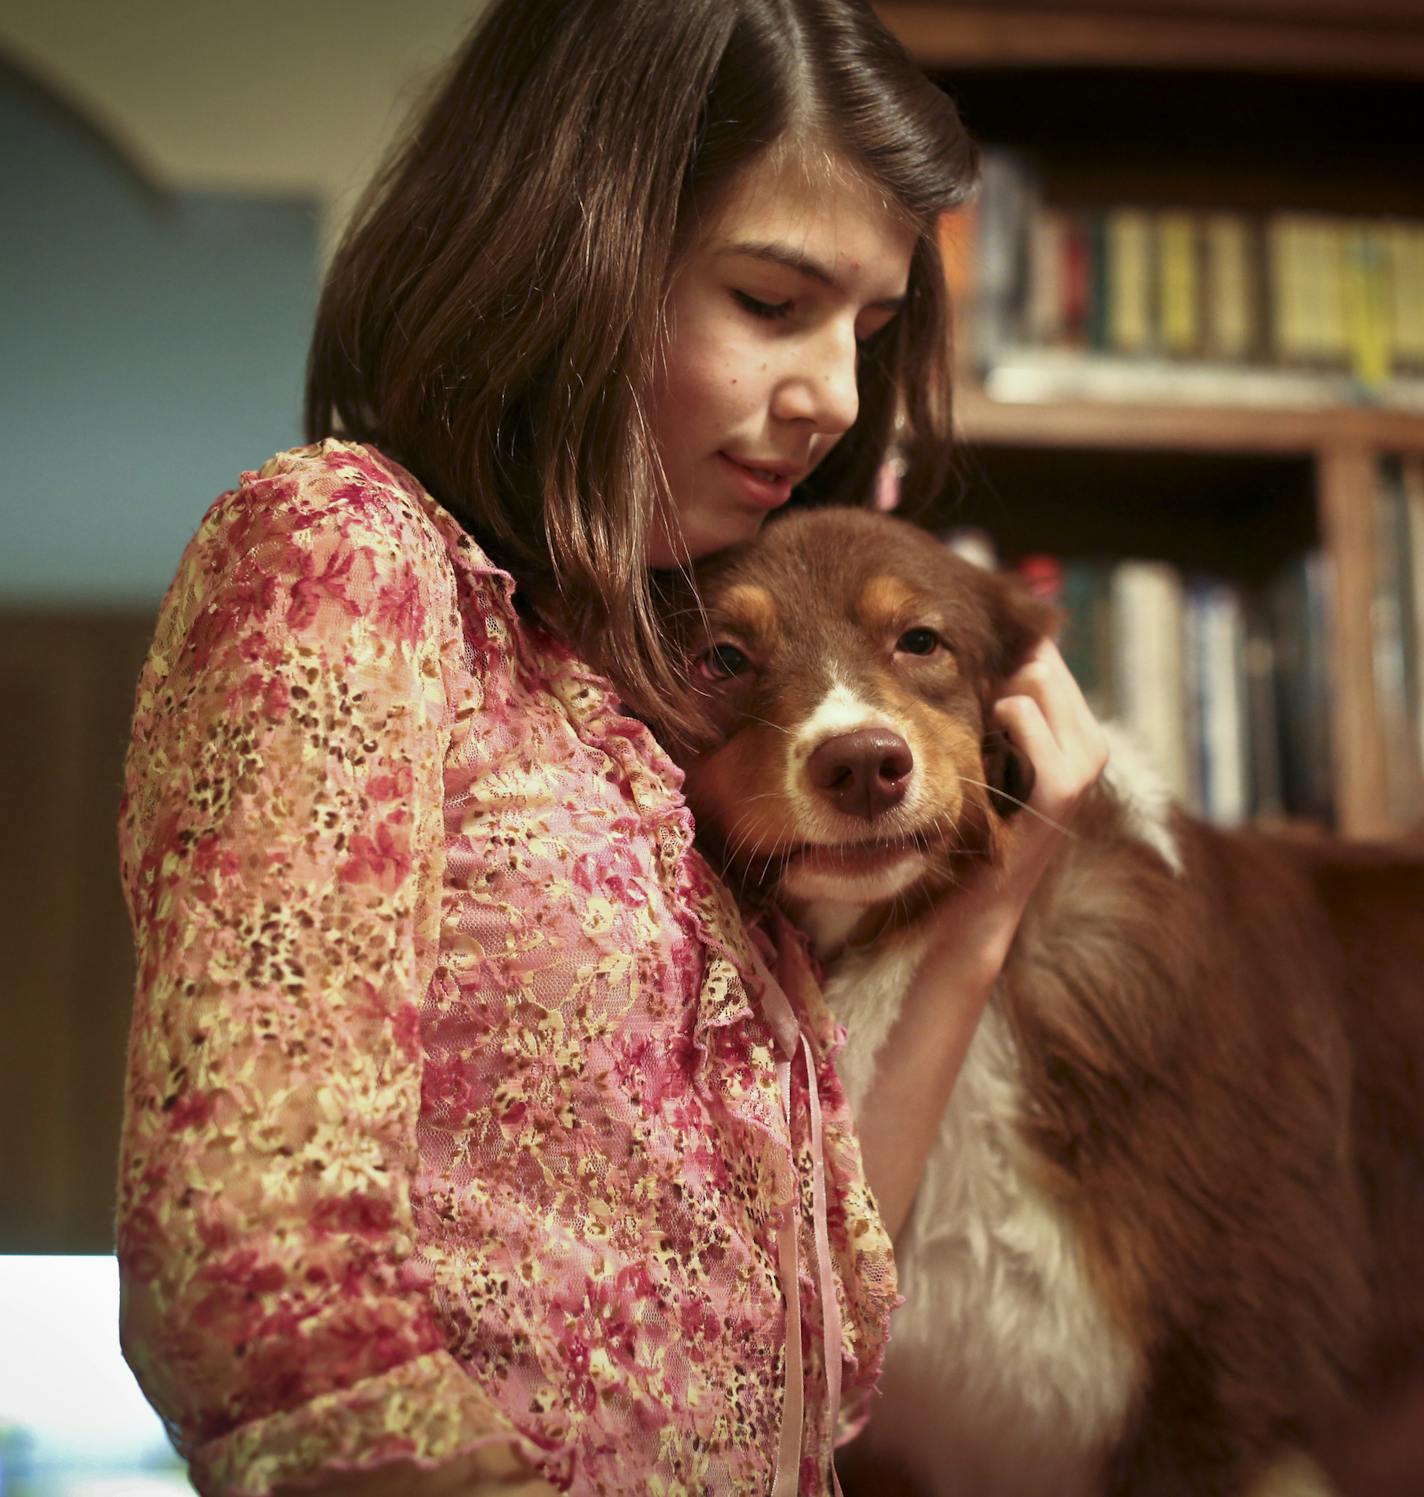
(452, 1111)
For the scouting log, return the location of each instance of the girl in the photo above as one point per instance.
(471, 1143)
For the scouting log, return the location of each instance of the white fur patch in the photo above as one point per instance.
(851, 891)
(1143, 794)
(839, 711)
(865, 991)
(1006, 1375)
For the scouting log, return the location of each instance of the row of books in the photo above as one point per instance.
(1226, 690)
(1180, 304)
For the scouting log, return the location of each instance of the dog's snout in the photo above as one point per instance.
(864, 773)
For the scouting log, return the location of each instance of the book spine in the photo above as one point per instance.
(1406, 277)
(1046, 303)
(1231, 312)
(1411, 477)
(1299, 600)
(1263, 736)
(1394, 655)
(1098, 271)
(1127, 285)
(1076, 280)
(1366, 306)
(1179, 290)
(1148, 664)
(1006, 199)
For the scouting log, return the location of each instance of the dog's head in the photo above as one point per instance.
(850, 662)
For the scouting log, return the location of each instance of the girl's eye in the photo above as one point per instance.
(769, 310)
(721, 663)
(918, 642)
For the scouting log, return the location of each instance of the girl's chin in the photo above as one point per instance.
(703, 536)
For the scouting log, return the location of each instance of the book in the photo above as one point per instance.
(1263, 734)
(1298, 599)
(1404, 250)
(1047, 313)
(1007, 199)
(1395, 652)
(1411, 478)
(1217, 717)
(1148, 665)
(1127, 281)
(1366, 297)
(1178, 285)
(1230, 305)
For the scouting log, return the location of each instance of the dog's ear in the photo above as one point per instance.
(1018, 621)
(1007, 772)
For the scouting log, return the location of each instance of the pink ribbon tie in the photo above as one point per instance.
(791, 1039)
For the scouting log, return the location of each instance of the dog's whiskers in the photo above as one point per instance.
(1022, 804)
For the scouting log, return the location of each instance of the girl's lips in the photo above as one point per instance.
(764, 490)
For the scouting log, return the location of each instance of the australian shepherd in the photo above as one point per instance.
(1170, 1239)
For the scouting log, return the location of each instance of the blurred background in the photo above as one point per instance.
(1191, 342)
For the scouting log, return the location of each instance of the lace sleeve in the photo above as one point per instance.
(281, 848)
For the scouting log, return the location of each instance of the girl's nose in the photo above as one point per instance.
(819, 384)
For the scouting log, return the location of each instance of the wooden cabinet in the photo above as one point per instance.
(1259, 106)
(68, 684)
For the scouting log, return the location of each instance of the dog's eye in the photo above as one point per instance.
(918, 642)
(721, 663)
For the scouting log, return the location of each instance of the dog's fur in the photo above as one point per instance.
(1173, 1225)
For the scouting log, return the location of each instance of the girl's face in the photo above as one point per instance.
(765, 320)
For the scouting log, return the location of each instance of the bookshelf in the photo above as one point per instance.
(1252, 108)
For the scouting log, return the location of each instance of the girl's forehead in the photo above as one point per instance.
(821, 210)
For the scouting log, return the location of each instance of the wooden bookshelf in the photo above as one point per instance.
(1247, 104)
(1373, 38)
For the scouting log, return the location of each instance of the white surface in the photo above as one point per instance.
(64, 1382)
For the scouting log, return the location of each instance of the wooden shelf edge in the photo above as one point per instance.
(982, 421)
(939, 35)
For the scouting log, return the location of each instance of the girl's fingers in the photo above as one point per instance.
(1023, 720)
(1047, 682)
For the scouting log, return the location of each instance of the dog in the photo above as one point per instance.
(1170, 1239)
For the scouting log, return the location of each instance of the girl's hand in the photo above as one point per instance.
(1045, 716)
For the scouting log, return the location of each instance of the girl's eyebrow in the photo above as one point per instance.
(781, 254)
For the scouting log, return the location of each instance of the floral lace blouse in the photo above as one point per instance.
(461, 1106)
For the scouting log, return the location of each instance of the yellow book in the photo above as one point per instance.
(1129, 289)
(1228, 307)
(1367, 304)
(1404, 250)
(1178, 285)
(1288, 275)
(1329, 326)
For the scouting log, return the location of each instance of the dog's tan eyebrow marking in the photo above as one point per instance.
(883, 601)
(749, 607)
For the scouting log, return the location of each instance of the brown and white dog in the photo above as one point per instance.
(1170, 1239)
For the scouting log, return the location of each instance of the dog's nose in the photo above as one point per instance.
(863, 773)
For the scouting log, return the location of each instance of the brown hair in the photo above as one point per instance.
(494, 314)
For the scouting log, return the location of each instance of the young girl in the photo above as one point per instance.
(471, 1143)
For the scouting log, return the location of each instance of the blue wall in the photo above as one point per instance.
(151, 347)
